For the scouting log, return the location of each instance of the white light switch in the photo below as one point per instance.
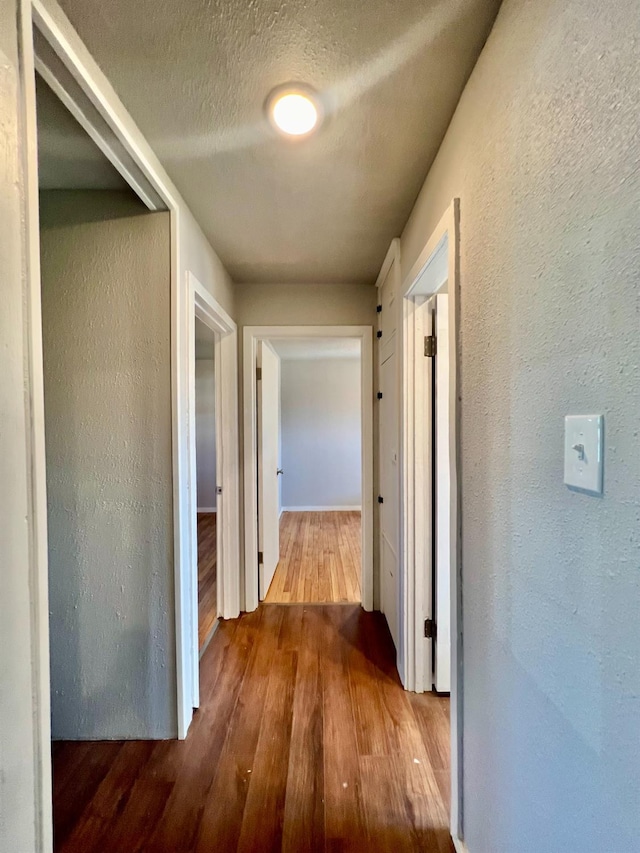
(583, 451)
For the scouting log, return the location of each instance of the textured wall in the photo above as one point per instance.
(321, 433)
(106, 324)
(206, 432)
(543, 152)
(305, 304)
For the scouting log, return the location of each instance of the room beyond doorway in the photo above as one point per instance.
(320, 558)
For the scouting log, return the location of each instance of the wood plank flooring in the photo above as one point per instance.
(320, 558)
(207, 576)
(305, 741)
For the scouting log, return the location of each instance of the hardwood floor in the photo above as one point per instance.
(305, 741)
(207, 576)
(320, 558)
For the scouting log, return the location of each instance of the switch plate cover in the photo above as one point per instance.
(583, 452)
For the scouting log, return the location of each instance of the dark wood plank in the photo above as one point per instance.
(305, 741)
(221, 821)
(207, 575)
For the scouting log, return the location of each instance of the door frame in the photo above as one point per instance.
(61, 57)
(251, 335)
(202, 306)
(438, 262)
(260, 350)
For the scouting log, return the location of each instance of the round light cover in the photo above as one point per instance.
(294, 110)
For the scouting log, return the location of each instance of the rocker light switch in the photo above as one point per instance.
(583, 451)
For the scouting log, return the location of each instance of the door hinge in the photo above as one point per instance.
(430, 629)
(430, 346)
(260, 558)
(378, 334)
(259, 373)
(380, 499)
(379, 395)
(379, 309)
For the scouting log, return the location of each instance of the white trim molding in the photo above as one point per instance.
(437, 264)
(202, 306)
(209, 510)
(459, 844)
(251, 336)
(35, 450)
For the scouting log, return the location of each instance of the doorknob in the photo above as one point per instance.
(279, 471)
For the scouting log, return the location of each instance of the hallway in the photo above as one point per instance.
(304, 741)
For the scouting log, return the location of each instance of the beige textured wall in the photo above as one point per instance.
(198, 257)
(543, 152)
(305, 304)
(106, 328)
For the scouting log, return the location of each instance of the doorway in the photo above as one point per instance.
(206, 483)
(430, 493)
(309, 470)
(105, 297)
(308, 464)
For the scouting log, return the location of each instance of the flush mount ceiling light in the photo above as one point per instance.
(294, 110)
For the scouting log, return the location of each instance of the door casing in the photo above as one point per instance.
(438, 263)
(251, 336)
(268, 462)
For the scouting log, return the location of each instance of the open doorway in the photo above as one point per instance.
(308, 464)
(105, 296)
(430, 417)
(207, 483)
(309, 470)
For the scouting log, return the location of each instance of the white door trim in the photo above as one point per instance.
(437, 263)
(204, 307)
(251, 335)
(38, 567)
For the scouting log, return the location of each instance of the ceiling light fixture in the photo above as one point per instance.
(294, 110)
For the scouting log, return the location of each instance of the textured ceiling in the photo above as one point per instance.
(195, 75)
(67, 158)
(312, 349)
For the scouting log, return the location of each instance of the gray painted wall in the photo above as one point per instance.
(321, 434)
(206, 432)
(543, 153)
(106, 325)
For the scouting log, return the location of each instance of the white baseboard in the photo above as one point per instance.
(459, 844)
(207, 509)
(321, 509)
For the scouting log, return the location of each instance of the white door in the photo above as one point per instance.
(268, 455)
(443, 466)
(389, 472)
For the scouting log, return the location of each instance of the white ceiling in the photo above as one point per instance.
(313, 349)
(195, 75)
(67, 157)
